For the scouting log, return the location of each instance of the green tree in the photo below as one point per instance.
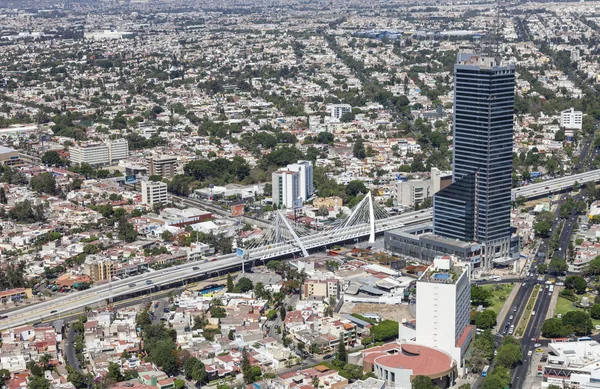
(558, 266)
(195, 369)
(356, 187)
(480, 296)
(593, 267)
(127, 231)
(114, 372)
(167, 235)
(385, 330)
(358, 150)
(38, 382)
(342, 355)
(52, 158)
(553, 328)
(347, 117)
(179, 384)
(164, 355)
(579, 321)
(251, 373)
(486, 319)
(595, 311)
(229, 283)
(244, 285)
(576, 283)
(542, 268)
(508, 355)
(44, 183)
(422, 382)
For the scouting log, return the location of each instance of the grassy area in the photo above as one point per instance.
(500, 293)
(563, 306)
(527, 312)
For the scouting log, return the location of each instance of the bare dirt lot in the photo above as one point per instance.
(387, 312)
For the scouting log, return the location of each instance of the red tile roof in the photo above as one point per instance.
(420, 359)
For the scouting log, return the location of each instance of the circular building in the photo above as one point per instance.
(398, 364)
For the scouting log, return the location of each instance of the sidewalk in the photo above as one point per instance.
(506, 308)
(553, 301)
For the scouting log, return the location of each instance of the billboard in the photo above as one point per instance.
(239, 252)
(130, 179)
(297, 204)
(237, 210)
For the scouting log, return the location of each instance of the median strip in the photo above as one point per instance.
(526, 316)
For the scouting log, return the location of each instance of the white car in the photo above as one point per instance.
(529, 353)
(536, 345)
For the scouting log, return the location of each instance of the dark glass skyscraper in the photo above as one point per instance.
(476, 206)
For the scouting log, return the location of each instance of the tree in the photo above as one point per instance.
(486, 319)
(282, 312)
(38, 382)
(577, 283)
(356, 187)
(322, 211)
(422, 382)
(24, 212)
(508, 355)
(542, 268)
(558, 266)
(127, 231)
(579, 321)
(244, 285)
(229, 283)
(385, 330)
(553, 328)
(251, 373)
(595, 311)
(51, 158)
(194, 369)
(164, 355)
(44, 183)
(167, 235)
(342, 355)
(480, 296)
(4, 376)
(347, 117)
(114, 372)
(593, 267)
(178, 384)
(358, 150)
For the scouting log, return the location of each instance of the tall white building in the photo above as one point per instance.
(337, 110)
(571, 119)
(154, 192)
(117, 149)
(305, 169)
(443, 307)
(99, 153)
(286, 187)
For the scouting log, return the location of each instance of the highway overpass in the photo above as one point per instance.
(555, 185)
(148, 282)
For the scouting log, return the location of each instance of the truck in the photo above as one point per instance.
(551, 289)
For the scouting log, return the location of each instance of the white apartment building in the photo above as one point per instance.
(443, 308)
(286, 188)
(99, 153)
(571, 119)
(154, 192)
(337, 110)
(414, 192)
(117, 149)
(305, 169)
(92, 154)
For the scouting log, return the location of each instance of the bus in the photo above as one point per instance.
(485, 371)
(584, 339)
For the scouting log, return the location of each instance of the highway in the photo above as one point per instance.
(150, 282)
(555, 185)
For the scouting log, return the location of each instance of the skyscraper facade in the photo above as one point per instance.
(476, 206)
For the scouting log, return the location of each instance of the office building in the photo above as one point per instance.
(286, 188)
(571, 119)
(163, 166)
(154, 192)
(572, 364)
(476, 206)
(99, 153)
(337, 110)
(412, 193)
(305, 169)
(8, 156)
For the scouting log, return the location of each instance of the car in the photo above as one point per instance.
(537, 345)
(148, 282)
(53, 311)
(167, 310)
(529, 353)
(511, 317)
(539, 350)
(195, 268)
(328, 356)
(514, 309)
(131, 285)
(156, 305)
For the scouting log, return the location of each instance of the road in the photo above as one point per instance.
(70, 350)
